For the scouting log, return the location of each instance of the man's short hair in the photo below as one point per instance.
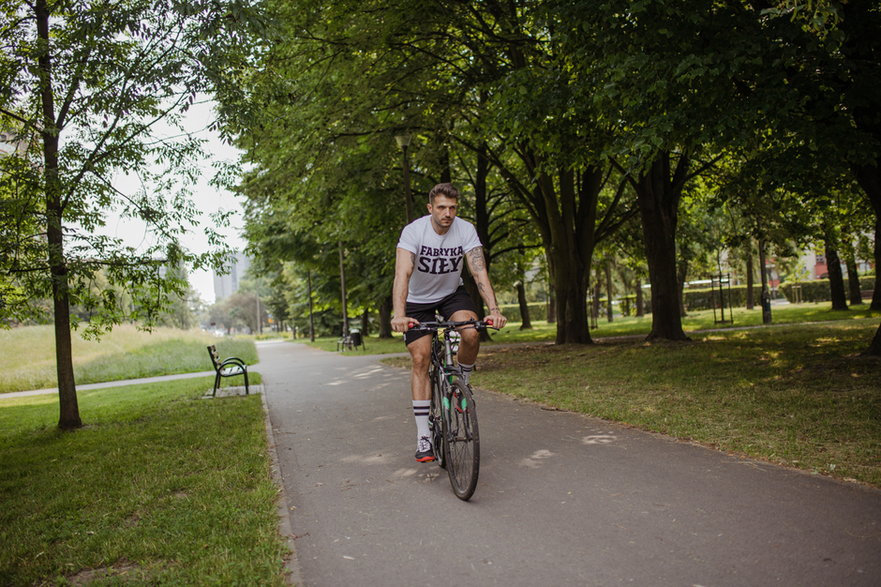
(443, 189)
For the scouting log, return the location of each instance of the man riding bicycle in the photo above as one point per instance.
(428, 281)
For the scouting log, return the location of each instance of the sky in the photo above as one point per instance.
(208, 199)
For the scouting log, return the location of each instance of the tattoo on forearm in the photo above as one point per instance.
(475, 255)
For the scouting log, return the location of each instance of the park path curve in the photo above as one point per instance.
(562, 500)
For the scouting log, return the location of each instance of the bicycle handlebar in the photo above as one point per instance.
(452, 324)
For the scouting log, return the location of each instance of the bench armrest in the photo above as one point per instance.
(233, 361)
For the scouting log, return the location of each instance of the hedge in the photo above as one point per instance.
(707, 298)
(537, 311)
(818, 290)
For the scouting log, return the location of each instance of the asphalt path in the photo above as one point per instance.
(562, 499)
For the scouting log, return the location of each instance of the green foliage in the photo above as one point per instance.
(532, 103)
(84, 109)
(161, 488)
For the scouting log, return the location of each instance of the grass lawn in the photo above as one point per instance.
(159, 487)
(701, 320)
(632, 326)
(125, 353)
(796, 395)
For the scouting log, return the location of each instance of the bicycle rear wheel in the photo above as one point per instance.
(462, 442)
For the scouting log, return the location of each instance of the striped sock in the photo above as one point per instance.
(466, 372)
(420, 412)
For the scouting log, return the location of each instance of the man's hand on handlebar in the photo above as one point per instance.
(496, 319)
(403, 324)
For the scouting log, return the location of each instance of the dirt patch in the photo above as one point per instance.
(119, 569)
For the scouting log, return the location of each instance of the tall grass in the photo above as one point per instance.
(125, 353)
(160, 487)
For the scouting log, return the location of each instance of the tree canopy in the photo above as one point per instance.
(83, 88)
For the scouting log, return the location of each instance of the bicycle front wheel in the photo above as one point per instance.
(462, 442)
(436, 420)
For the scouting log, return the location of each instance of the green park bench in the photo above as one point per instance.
(229, 367)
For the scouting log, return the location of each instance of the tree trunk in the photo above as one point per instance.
(569, 242)
(681, 276)
(525, 322)
(853, 279)
(69, 414)
(836, 279)
(312, 309)
(385, 317)
(750, 279)
(608, 272)
(875, 347)
(766, 292)
(658, 194)
(481, 199)
(570, 285)
(876, 294)
(640, 302)
(869, 178)
(551, 304)
(343, 293)
(365, 323)
(565, 212)
(446, 174)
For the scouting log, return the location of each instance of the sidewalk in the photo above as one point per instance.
(121, 383)
(563, 499)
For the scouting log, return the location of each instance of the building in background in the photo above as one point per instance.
(226, 282)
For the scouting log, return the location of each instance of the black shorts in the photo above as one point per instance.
(458, 300)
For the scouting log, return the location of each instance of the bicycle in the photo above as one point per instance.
(452, 417)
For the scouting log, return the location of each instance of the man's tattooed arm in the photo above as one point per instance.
(475, 260)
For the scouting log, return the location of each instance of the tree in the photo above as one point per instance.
(373, 83)
(85, 85)
(839, 93)
(678, 100)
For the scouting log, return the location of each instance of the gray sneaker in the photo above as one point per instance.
(424, 451)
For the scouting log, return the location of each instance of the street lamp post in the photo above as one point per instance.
(403, 141)
(343, 292)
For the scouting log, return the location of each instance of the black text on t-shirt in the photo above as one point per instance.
(436, 261)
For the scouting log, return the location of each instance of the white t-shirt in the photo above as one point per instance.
(439, 257)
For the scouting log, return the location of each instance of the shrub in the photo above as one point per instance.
(818, 290)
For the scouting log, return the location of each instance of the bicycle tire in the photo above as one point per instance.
(437, 421)
(462, 441)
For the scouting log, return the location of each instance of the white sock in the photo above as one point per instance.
(420, 412)
(466, 372)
